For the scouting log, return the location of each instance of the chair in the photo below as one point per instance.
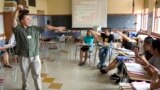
(47, 44)
(89, 52)
(69, 39)
(1, 77)
(64, 50)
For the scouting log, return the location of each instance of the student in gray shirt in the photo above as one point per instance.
(155, 59)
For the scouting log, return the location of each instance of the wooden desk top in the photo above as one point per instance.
(133, 76)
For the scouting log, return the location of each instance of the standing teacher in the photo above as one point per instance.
(27, 46)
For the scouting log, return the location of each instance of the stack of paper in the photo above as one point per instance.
(141, 85)
(135, 68)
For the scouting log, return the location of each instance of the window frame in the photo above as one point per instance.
(145, 19)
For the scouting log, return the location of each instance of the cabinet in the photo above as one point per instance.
(7, 17)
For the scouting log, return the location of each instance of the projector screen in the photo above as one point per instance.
(89, 13)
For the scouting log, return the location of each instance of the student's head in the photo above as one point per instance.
(89, 33)
(156, 47)
(147, 43)
(25, 19)
(107, 30)
(125, 33)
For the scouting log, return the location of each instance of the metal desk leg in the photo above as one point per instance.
(110, 55)
(95, 56)
(76, 53)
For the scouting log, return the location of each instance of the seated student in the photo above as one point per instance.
(88, 40)
(4, 55)
(126, 43)
(154, 60)
(106, 37)
(147, 47)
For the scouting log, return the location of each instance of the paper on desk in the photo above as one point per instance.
(135, 68)
(125, 85)
(123, 49)
(129, 52)
(141, 85)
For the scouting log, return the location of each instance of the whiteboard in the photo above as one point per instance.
(1, 25)
(89, 13)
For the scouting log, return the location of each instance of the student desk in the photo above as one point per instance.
(135, 76)
(132, 75)
(135, 86)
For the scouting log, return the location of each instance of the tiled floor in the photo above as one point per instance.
(62, 72)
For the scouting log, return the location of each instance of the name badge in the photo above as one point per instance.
(29, 36)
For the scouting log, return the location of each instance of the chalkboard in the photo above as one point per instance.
(62, 20)
(121, 21)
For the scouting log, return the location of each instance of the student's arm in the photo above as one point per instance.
(158, 84)
(154, 78)
(15, 15)
(127, 38)
(140, 59)
(95, 36)
(96, 33)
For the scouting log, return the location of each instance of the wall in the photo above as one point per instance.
(1, 5)
(40, 5)
(115, 7)
(63, 7)
(59, 7)
(124, 6)
(151, 5)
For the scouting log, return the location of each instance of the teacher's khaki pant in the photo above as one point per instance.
(33, 63)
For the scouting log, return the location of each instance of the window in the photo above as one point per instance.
(145, 19)
(157, 21)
